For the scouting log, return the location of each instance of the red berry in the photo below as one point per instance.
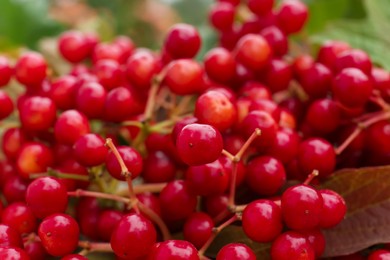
(31, 69)
(285, 147)
(174, 250)
(253, 51)
(214, 205)
(182, 41)
(329, 52)
(90, 150)
(354, 58)
(6, 71)
(74, 257)
(35, 250)
(262, 221)
(70, 126)
(379, 254)
(292, 245)
(236, 251)
(63, 92)
(106, 51)
(177, 201)
(352, 80)
(207, 179)
(59, 234)
(141, 67)
(316, 240)
(316, 80)
(37, 113)
(13, 253)
(260, 7)
(46, 196)
(33, 157)
(221, 16)
(324, 116)
(199, 144)
(292, 16)
(184, 77)
(301, 207)
(219, 65)
(90, 99)
(109, 73)
(133, 237)
(198, 229)
(275, 38)
(265, 175)
(7, 106)
(159, 167)
(316, 154)
(108, 219)
(132, 159)
(333, 209)
(13, 139)
(9, 237)
(20, 217)
(74, 46)
(14, 189)
(277, 75)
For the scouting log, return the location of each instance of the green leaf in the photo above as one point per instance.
(379, 16)
(235, 234)
(25, 22)
(359, 34)
(367, 194)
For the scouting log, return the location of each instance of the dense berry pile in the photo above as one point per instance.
(210, 143)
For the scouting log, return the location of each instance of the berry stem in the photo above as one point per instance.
(150, 187)
(221, 216)
(60, 175)
(95, 247)
(310, 177)
(156, 219)
(133, 203)
(348, 141)
(132, 123)
(151, 102)
(232, 193)
(248, 142)
(99, 195)
(216, 231)
(228, 155)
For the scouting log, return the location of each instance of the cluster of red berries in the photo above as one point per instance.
(213, 142)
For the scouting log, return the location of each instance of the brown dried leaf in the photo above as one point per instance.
(367, 194)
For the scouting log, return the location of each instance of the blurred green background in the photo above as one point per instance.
(363, 23)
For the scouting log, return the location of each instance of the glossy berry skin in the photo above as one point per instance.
(131, 158)
(107, 51)
(90, 150)
(151, 201)
(59, 234)
(198, 229)
(46, 196)
(214, 108)
(219, 65)
(33, 157)
(177, 201)
(182, 41)
(316, 154)
(184, 77)
(5, 71)
(207, 179)
(109, 73)
(276, 39)
(141, 67)
(277, 75)
(216, 204)
(37, 113)
(379, 254)
(108, 219)
(30, 69)
(316, 80)
(316, 239)
(14, 189)
(354, 58)
(292, 16)
(221, 16)
(74, 46)
(7, 106)
(70, 126)
(351, 80)
(333, 210)
(292, 245)
(323, 116)
(63, 92)
(35, 250)
(260, 7)
(13, 253)
(158, 167)
(174, 250)
(253, 51)
(266, 124)
(301, 207)
(285, 147)
(265, 175)
(9, 237)
(20, 217)
(262, 221)
(329, 51)
(236, 251)
(133, 237)
(13, 139)
(90, 99)
(199, 144)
